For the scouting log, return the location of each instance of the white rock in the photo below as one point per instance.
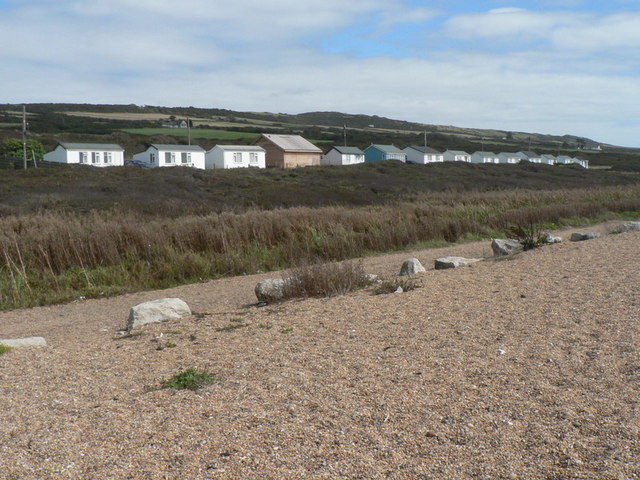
(629, 227)
(454, 262)
(581, 236)
(157, 311)
(399, 290)
(24, 342)
(270, 290)
(411, 267)
(551, 239)
(505, 246)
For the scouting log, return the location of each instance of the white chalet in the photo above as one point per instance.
(510, 158)
(342, 156)
(532, 157)
(564, 160)
(416, 154)
(95, 154)
(160, 155)
(235, 156)
(484, 157)
(456, 156)
(548, 159)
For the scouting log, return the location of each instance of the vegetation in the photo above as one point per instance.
(189, 379)
(391, 286)
(530, 235)
(325, 280)
(195, 133)
(4, 348)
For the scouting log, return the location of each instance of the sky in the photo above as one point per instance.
(556, 67)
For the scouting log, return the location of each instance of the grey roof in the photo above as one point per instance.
(348, 150)
(424, 149)
(186, 148)
(530, 154)
(458, 152)
(90, 146)
(548, 155)
(511, 154)
(242, 148)
(486, 153)
(292, 143)
(387, 148)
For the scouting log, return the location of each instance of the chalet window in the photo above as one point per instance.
(84, 157)
(253, 157)
(186, 157)
(95, 157)
(107, 157)
(169, 158)
(152, 158)
(237, 157)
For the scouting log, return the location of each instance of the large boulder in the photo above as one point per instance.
(505, 246)
(581, 236)
(411, 266)
(628, 227)
(271, 290)
(24, 342)
(157, 311)
(454, 262)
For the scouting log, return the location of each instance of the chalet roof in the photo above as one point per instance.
(348, 150)
(90, 146)
(242, 148)
(486, 154)
(424, 149)
(178, 148)
(512, 154)
(530, 154)
(548, 156)
(458, 152)
(291, 143)
(386, 148)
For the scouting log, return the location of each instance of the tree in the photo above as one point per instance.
(13, 148)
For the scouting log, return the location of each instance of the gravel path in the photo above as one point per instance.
(527, 368)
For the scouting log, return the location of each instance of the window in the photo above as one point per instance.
(253, 157)
(237, 157)
(152, 158)
(107, 157)
(95, 157)
(186, 157)
(84, 157)
(169, 158)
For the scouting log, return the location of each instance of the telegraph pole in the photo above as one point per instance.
(24, 136)
(344, 132)
(189, 130)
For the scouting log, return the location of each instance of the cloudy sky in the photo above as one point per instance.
(556, 66)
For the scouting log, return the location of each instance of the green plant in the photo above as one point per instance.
(286, 330)
(4, 348)
(189, 379)
(530, 235)
(230, 328)
(392, 286)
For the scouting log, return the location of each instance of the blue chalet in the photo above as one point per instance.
(378, 153)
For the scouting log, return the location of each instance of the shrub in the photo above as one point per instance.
(529, 235)
(325, 279)
(189, 379)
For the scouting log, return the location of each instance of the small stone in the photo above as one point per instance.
(582, 236)
(551, 239)
(399, 290)
(505, 246)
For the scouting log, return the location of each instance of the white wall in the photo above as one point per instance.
(219, 157)
(334, 157)
(196, 159)
(73, 156)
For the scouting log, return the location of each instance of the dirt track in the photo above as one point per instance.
(526, 368)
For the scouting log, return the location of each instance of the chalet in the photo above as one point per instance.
(532, 157)
(564, 160)
(548, 159)
(416, 154)
(343, 156)
(161, 155)
(378, 153)
(235, 156)
(510, 158)
(484, 157)
(95, 154)
(456, 156)
(288, 151)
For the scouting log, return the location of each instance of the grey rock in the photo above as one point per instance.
(157, 311)
(24, 342)
(629, 227)
(270, 290)
(551, 239)
(581, 236)
(505, 246)
(399, 290)
(411, 266)
(445, 263)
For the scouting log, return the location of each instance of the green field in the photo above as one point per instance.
(207, 133)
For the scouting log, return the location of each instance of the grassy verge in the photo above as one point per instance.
(55, 257)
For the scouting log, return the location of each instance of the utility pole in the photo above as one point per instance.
(189, 130)
(344, 133)
(24, 136)
(425, 138)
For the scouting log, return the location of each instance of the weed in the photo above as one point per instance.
(230, 328)
(392, 286)
(264, 326)
(530, 235)
(189, 379)
(4, 348)
(286, 330)
(325, 279)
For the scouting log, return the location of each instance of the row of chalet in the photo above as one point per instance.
(283, 151)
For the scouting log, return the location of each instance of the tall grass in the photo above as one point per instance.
(53, 257)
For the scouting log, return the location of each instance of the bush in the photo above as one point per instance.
(529, 235)
(189, 379)
(325, 280)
